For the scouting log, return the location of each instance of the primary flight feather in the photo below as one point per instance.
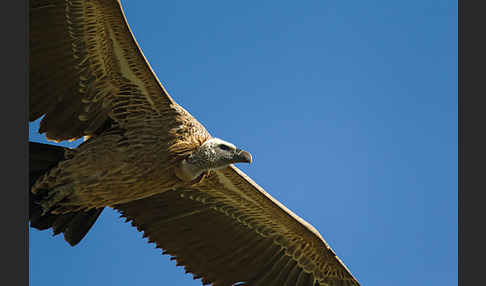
(151, 160)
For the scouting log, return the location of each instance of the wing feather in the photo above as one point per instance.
(86, 68)
(228, 229)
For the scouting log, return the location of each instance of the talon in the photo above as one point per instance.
(55, 196)
(45, 208)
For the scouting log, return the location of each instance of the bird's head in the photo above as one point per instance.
(211, 155)
(216, 154)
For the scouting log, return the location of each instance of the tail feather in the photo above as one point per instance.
(74, 225)
(80, 224)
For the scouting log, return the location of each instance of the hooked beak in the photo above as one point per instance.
(242, 156)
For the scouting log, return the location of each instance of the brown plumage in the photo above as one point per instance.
(151, 160)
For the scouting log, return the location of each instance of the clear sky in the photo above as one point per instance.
(348, 108)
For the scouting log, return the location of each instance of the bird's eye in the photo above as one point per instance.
(224, 147)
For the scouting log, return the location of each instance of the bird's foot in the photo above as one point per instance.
(55, 196)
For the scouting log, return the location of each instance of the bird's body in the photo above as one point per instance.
(151, 160)
(138, 133)
(111, 169)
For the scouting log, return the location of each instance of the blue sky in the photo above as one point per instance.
(348, 108)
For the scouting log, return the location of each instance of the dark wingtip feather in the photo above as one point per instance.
(74, 225)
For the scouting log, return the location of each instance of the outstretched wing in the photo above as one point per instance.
(229, 230)
(87, 69)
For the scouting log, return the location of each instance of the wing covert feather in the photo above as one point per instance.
(86, 68)
(228, 229)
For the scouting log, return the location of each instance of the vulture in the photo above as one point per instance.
(148, 158)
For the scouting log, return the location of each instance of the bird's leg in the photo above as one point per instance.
(54, 196)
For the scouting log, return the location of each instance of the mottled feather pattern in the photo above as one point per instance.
(88, 77)
(213, 209)
(111, 80)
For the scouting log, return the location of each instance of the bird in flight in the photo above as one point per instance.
(148, 158)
